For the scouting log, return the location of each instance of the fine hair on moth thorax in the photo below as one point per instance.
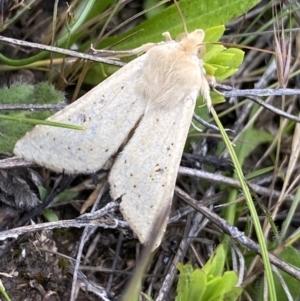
(152, 97)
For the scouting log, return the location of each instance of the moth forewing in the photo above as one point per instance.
(108, 112)
(155, 94)
(144, 174)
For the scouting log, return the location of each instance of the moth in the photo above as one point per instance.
(147, 106)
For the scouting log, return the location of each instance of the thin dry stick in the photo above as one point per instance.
(229, 181)
(86, 233)
(234, 232)
(83, 56)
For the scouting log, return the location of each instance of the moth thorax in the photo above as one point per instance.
(192, 42)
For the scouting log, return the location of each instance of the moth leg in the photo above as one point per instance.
(211, 80)
(212, 83)
(115, 54)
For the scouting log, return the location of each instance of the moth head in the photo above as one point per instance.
(192, 42)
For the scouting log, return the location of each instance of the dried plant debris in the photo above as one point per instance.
(15, 191)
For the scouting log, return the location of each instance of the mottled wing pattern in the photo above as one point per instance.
(109, 112)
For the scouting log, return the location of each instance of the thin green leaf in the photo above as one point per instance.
(251, 206)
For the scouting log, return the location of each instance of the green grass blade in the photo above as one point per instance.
(259, 233)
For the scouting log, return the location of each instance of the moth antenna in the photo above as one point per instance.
(182, 17)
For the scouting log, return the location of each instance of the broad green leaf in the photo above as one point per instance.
(210, 69)
(222, 58)
(214, 34)
(226, 74)
(197, 285)
(66, 195)
(183, 281)
(213, 289)
(151, 10)
(212, 52)
(249, 141)
(213, 13)
(215, 264)
(235, 60)
(50, 215)
(229, 280)
(230, 59)
(217, 12)
(220, 286)
(233, 294)
(42, 192)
